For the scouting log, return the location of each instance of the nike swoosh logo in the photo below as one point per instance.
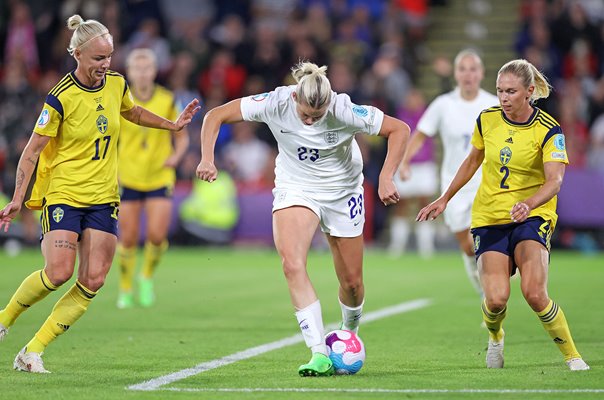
(356, 223)
(282, 131)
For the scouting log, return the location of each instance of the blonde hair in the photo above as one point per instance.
(84, 32)
(141, 53)
(465, 53)
(529, 75)
(313, 87)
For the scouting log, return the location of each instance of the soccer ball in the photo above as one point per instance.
(346, 351)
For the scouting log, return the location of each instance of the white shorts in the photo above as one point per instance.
(458, 214)
(341, 212)
(423, 181)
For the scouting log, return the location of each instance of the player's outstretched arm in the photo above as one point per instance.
(466, 171)
(143, 117)
(224, 114)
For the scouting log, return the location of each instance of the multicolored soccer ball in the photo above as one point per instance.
(346, 351)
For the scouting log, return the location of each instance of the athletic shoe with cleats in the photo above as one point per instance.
(495, 354)
(125, 300)
(30, 362)
(577, 364)
(146, 295)
(3, 332)
(319, 365)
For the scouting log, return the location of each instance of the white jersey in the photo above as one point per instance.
(454, 118)
(319, 157)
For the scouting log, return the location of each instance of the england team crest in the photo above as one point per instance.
(102, 124)
(331, 137)
(57, 214)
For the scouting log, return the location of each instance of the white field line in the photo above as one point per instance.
(156, 383)
(407, 391)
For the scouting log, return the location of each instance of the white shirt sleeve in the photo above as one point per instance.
(429, 122)
(257, 107)
(365, 119)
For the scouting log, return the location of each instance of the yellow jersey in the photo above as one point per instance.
(78, 166)
(512, 169)
(143, 151)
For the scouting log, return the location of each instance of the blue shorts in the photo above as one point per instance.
(75, 219)
(504, 238)
(129, 194)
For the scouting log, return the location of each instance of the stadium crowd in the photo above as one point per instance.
(221, 50)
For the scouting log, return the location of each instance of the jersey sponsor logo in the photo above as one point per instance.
(58, 214)
(260, 97)
(360, 111)
(559, 142)
(331, 137)
(102, 123)
(44, 118)
(505, 155)
(99, 108)
(509, 140)
(556, 155)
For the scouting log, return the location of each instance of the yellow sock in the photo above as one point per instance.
(127, 261)
(493, 321)
(65, 313)
(151, 258)
(33, 289)
(554, 322)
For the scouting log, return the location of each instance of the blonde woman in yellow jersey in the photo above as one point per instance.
(523, 157)
(74, 144)
(146, 159)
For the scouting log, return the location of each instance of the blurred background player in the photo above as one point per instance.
(453, 115)
(146, 169)
(318, 182)
(416, 189)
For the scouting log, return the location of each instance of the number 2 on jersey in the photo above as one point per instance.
(506, 175)
(97, 145)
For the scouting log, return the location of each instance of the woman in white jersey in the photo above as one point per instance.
(318, 181)
(453, 115)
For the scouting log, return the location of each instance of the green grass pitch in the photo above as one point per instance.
(212, 303)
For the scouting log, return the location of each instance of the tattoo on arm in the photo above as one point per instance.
(31, 160)
(20, 178)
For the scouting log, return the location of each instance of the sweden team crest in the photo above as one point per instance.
(476, 243)
(505, 155)
(57, 214)
(102, 123)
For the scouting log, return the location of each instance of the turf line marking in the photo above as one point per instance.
(156, 383)
(407, 391)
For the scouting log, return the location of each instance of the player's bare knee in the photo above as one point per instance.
(292, 269)
(58, 272)
(536, 298)
(496, 304)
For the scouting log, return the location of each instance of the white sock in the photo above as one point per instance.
(425, 238)
(399, 235)
(351, 316)
(471, 267)
(310, 321)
